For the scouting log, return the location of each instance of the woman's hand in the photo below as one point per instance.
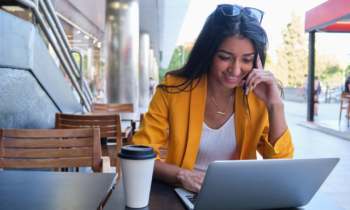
(264, 84)
(176, 175)
(191, 181)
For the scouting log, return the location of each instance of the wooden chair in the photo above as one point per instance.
(109, 126)
(134, 124)
(112, 108)
(345, 97)
(115, 108)
(23, 148)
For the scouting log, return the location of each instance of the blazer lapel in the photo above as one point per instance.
(240, 120)
(196, 118)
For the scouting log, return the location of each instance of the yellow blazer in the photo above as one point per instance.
(183, 113)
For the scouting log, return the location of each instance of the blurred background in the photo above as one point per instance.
(65, 55)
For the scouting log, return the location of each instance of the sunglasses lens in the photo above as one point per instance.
(230, 10)
(253, 13)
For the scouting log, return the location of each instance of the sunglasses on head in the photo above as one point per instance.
(234, 10)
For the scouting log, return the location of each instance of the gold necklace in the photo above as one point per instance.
(223, 113)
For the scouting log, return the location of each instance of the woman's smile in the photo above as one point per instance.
(229, 78)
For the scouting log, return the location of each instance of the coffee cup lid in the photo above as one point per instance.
(137, 152)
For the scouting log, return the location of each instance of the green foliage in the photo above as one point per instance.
(176, 61)
(327, 68)
(347, 70)
(293, 58)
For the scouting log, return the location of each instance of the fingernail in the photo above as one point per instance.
(251, 88)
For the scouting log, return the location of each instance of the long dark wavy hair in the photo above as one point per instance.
(216, 29)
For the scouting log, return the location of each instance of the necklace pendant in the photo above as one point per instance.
(220, 112)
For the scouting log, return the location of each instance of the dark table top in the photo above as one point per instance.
(53, 190)
(163, 197)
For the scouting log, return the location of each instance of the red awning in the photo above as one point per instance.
(331, 16)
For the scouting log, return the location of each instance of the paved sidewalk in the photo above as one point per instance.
(314, 144)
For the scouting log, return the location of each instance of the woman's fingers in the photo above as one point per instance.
(252, 72)
(197, 185)
(256, 76)
(259, 80)
(193, 181)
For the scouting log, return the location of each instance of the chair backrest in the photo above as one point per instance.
(109, 125)
(345, 95)
(23, 148)
(141, 118)
(112, 107)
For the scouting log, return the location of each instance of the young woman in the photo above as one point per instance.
(207, 105)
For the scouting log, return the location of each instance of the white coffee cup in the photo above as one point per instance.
(137, 164)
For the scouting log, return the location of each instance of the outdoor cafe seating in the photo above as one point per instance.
(57, 148)
(109, 126)
(345, 98)
(112, 108)
(54, 148)
(76, 143)
(116, 108)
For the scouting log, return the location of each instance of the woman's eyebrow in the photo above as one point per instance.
(224, 51)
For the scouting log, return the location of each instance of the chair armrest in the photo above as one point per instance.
(133, 126)
(126, 132)
(106, 164)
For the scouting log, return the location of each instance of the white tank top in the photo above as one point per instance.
(217, 144)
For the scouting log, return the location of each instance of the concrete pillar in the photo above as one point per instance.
(151, 56)
(143, 69)
(155, 71)
(122, 51)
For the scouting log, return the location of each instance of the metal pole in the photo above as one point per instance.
(310, 98)
(60, 43)
(91, 98)
(62, 33)
(36, 2)
(81, 82)
(65, 40)
(58, 37)
(54, 46)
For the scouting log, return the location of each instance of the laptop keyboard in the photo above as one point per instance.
(192, 198)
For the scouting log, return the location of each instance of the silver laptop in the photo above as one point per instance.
(259, 184)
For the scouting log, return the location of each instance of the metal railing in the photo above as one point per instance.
(49, 13)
